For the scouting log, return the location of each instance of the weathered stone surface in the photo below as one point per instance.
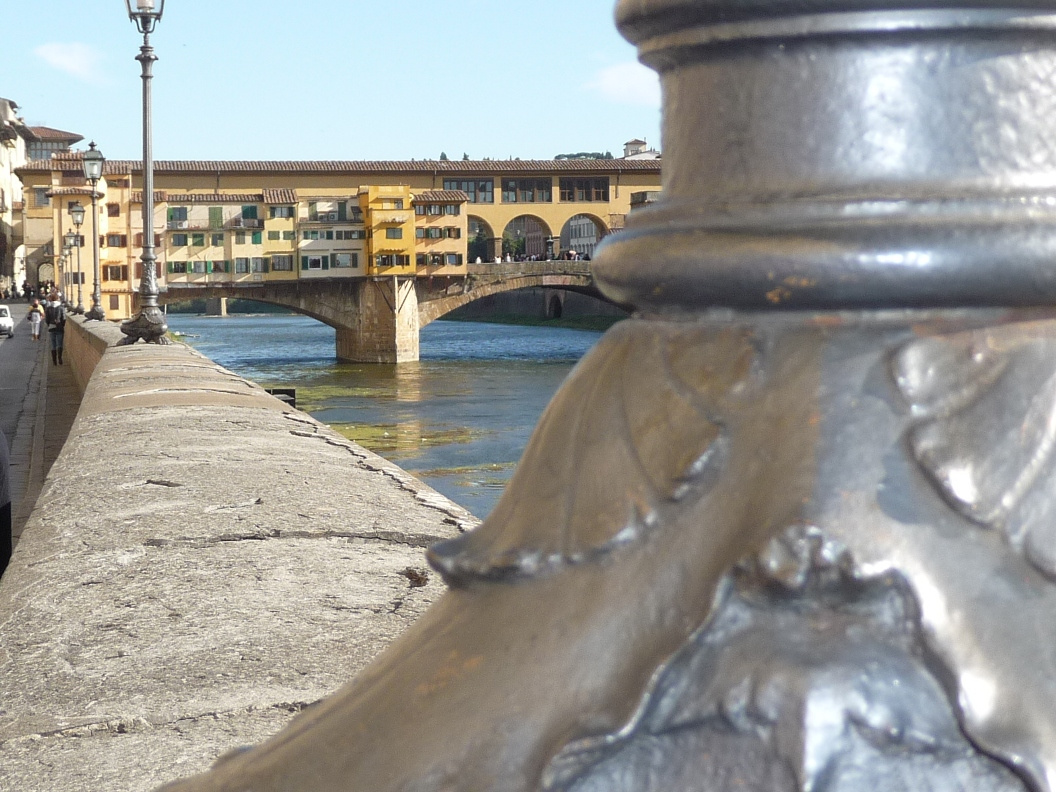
(202, 564)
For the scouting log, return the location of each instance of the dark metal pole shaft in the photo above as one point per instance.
(149, 324)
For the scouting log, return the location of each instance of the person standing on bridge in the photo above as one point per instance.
(55, 316)
(36, 313)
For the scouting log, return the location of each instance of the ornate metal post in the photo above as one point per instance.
(93, 171)
(149, 324)
(72, 241)
(793, 526)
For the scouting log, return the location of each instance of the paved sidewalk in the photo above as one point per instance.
(38, 402)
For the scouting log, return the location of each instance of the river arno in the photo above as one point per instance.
(458, 419)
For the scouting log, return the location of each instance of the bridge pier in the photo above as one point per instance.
(385, 323)
(216, 306)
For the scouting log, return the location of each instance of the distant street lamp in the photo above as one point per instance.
(93, 171)
(73, 240)
(149, 324)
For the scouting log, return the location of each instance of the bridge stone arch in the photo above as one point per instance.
(492, 242)
(486, 280)
(377, 319)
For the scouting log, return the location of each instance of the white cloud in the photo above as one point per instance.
(628, 83)
(78, 60)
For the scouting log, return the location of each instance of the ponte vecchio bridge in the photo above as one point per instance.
(378, 319)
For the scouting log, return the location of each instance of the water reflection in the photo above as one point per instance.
(458, 419)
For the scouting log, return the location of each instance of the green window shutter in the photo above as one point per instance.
(342, 210)
(265, 268)
(304, 262)
(326, 262)
(172, 214)
(168, 268)
(313, 211)
(209, 267)
(256, 237)
(216, 217)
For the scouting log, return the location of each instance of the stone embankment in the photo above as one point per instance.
(203, 562)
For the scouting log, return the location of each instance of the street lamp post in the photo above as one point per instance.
(149, 324)
(73, 240)
(93, 171)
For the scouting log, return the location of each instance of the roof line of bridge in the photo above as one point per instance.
(71, 160)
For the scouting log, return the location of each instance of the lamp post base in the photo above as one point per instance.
(95, 313)
(149, 325)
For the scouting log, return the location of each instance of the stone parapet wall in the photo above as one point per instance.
(203, 563)
(84, 344)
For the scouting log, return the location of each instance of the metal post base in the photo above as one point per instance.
(149, 326)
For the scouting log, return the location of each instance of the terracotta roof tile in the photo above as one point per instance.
(280, 197)
(50, 133)
(206, 198)
(441, 196)
(482, 168)
(160, 196)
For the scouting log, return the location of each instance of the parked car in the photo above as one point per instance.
(7, 324)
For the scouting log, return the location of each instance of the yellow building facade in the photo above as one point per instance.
(244, 222)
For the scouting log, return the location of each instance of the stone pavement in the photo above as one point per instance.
(202, 564)
(38, 403)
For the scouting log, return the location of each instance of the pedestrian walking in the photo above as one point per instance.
(35, 316)
(55, 316)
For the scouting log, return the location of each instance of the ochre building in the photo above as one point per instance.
(246, 221)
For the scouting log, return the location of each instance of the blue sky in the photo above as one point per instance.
(335, 79)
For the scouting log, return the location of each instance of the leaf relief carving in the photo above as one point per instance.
(984, 404)
(631, 428)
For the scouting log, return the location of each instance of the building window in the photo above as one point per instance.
(116, 240)
(453, 259)
(240, 238)
(282, 263)
(115, 273)
(115, 302)
(274, 235)
(309, 235)
(241, 265)
(197, 240)
(526, 191)
(288, 235)
(394, 233)
(421, 259)
(257, 237)
(316, 262)
(419, 209)
(216, 217)
(113, 210)
(218, 266)
(585, 189)
(177, 213)
(419, 233)
(40, 197)
(355, 214)
(179, 240)
(434, 233)
(453, 233)
(218, 240)
(258, 264)
(478, 190)
(280, 211)
(394, 203)
(345, 260)
(249, 212)
(453, 209)
(177, 267)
